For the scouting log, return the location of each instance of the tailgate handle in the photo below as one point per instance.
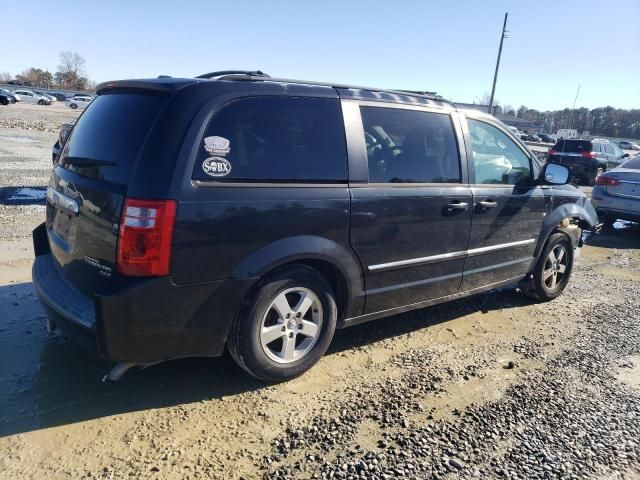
(58, 199)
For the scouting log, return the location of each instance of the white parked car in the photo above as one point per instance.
(627, 145)
(78, 102)
(28, 96)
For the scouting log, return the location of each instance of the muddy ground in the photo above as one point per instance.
(493, 386)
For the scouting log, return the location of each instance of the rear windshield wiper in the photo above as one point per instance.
(87, 162)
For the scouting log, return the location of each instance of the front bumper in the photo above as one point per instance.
(144, 320)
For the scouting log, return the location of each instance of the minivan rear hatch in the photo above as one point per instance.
(89, 184)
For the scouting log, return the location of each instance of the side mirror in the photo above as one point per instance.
(626, 155)
(554, 174)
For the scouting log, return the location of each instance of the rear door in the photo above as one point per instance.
(508, 208)
(410, 211)
(89, 183)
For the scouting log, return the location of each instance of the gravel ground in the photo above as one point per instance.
(493, 386)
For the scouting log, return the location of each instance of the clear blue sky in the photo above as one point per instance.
(446, 46)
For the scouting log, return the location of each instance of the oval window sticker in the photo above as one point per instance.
(216, 167)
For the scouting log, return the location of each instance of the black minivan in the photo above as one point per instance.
(260, 214)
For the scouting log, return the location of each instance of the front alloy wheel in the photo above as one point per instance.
(555, 267)
(552, 271)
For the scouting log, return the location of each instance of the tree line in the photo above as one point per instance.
(70, 75)
(603, 121)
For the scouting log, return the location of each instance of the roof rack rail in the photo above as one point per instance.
(420, 92)
(248, 77)
(222, 73)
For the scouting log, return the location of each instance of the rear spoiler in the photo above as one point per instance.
(159, 86)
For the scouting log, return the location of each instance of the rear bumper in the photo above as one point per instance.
(612, 206)
(146, 321)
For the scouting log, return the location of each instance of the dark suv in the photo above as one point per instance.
(588, 159)
(260, 214)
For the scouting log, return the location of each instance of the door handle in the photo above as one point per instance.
(486, 204)
(457, 206)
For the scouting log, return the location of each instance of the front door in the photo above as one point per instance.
(410, 221)
(508, 208)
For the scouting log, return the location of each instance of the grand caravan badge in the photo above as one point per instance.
(216, 167)
(217, 145)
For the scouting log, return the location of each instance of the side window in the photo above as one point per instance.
(410, 146)
(609, 149)
(497, 159)
(275, 139)
(596, 147)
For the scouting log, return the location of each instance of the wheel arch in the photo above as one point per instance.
(570, 219)
(334, 261)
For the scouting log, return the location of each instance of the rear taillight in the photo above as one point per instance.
(587, 154)
(607, 181)
(146, 233)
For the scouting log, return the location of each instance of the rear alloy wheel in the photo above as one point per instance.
(40, 102)
(552, 271)
(286, 325)
(73, 106)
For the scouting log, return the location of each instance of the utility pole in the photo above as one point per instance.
(495, 75)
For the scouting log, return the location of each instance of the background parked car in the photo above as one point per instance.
(588, 159)
(28, 96)
(61, 97)
(532, 137)
(545, 137)
(617, 193)
(46, 95)
(80, 102)
(6, 99)
(627, 145)
(15, 97)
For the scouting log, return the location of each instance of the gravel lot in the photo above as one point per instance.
(488, 387)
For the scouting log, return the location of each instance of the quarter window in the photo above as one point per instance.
(497, 159)
(275, 139)
(410, 146)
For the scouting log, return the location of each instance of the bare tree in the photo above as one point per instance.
(5, 77)
(71, 70)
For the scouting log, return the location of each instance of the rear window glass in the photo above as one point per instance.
(573, 146)
(275, 139)
(108, 137)
(633, 163)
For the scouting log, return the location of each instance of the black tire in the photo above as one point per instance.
(535, 285)
(41, 102)
(73, 106)
(244, 341)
